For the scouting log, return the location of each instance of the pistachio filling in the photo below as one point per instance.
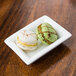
(25, 44)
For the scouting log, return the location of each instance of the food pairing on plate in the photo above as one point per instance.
(29, 40)
(37, 38)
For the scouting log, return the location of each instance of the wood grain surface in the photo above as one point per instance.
(15, 14)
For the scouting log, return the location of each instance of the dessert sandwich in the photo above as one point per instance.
(27, 40)
(46, 33)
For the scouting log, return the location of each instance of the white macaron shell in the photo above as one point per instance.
(28, 37)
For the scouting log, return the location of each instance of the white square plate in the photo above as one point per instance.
(30, 57)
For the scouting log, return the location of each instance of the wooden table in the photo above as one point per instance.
(15, 14)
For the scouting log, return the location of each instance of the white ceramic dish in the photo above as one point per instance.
(30, 57)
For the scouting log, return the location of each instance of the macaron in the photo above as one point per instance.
(46, 33)
(27, 40)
